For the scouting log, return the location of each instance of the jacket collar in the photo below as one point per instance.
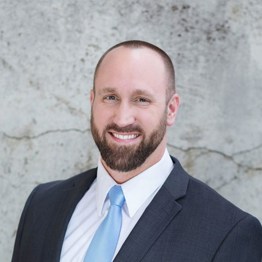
(160, 212)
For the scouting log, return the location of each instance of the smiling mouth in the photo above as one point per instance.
(124, 136)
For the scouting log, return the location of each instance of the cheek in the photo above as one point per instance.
(148, 120)
(101, 116)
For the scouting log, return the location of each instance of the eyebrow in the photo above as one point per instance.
(141, 92)
(107, 90)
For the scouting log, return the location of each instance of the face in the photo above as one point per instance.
(130, 112)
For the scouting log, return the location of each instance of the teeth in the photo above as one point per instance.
(125, 137)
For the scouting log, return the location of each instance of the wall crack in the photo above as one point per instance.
(27, 137)
(205, 151)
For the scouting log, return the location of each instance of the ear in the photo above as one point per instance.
(172, 109)
(92, 96)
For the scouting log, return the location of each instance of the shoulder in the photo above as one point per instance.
(212, 203)
(215, 220)
(77, 180)
(200, 197)
(207, 207)
(55, 190)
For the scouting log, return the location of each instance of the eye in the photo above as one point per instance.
(142, 100)
(110, 98)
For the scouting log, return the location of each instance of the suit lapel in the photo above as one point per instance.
(160, 212)
(68, 197)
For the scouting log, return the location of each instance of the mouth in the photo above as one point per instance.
(124, 137)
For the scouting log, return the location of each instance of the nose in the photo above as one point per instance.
(124, 115)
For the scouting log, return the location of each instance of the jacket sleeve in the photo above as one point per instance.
(243, 243)
(19, 234)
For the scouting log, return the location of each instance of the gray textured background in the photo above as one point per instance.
(48, 50)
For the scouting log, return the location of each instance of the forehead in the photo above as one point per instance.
(132, 64)
(124, 54)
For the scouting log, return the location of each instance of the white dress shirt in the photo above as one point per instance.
(94, 205)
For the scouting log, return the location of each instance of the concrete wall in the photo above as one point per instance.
(48, 50)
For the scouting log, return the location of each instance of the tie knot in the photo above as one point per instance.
(116, 196)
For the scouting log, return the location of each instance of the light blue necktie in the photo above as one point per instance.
(103, 244)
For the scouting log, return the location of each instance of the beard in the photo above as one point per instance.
(125, 158)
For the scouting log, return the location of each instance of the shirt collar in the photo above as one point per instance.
(104, 183)
(136, 190)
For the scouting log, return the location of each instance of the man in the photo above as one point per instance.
(167, 215)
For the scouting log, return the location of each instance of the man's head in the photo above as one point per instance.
(133, 101)
(137, 44)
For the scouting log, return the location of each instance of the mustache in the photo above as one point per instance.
(129, 128)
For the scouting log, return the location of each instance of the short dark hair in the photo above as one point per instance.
(171, 89)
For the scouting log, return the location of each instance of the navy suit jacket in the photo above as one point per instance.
(186, 222)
